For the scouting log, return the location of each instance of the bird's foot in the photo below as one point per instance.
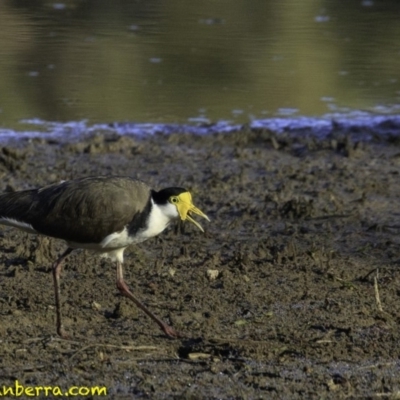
(62, 332)
(170, 332)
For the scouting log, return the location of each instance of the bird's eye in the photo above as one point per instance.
(174, 199)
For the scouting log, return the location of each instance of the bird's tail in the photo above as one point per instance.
(15, 210)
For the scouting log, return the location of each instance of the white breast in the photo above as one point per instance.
(159, 218)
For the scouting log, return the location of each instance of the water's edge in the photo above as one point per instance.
(361, 127)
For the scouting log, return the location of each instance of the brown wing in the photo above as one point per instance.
(83, 210)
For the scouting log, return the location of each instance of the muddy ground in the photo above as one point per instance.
(292, 292)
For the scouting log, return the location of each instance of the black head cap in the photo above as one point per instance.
(164, 195)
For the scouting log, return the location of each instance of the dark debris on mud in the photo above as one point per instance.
(292, 292)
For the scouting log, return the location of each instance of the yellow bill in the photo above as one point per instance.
(185, 207)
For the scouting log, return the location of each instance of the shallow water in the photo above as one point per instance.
(180, 62)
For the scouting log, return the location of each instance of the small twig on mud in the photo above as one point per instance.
(377, 297)
(379, 365)
(114, 346)
(124, 347)
(390, 395)
(364, 278)
(347, 284)
(163, 360)
(50, 339)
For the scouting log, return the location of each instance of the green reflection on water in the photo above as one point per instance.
(169, 61)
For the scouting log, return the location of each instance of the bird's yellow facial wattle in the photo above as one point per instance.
(184, 205)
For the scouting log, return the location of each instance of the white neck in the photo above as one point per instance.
(159, 218)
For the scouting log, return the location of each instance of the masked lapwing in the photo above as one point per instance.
(104, 214)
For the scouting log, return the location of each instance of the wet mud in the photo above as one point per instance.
(293, 291)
